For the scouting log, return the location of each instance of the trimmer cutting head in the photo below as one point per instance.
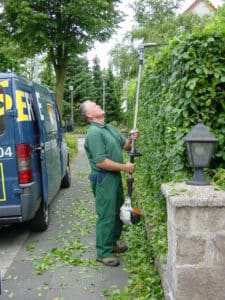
(128, 214)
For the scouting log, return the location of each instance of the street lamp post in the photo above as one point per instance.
(103, 92)
(71, 97)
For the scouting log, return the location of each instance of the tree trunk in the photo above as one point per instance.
(60, 72)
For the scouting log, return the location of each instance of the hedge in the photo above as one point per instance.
(184, 83)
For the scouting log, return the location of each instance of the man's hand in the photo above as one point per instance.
(109, 165)
(129, 167)
(133, 134)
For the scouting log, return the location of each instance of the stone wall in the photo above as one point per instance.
(196, 242)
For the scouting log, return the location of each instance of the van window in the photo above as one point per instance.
(2, 110)
(52, 123)
(47, 108)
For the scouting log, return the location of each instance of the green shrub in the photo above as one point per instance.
(72, 143)
(219, 179)
(184, 83)
(80, 129)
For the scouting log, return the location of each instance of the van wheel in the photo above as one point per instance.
(41, 220)
(66, 181)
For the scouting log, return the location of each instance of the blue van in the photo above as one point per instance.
(34, 157)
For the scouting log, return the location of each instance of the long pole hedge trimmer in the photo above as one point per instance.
(128, 214)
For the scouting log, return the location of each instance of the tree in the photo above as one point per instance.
(47, 75)
(218, 23)
(98, 81)
(10, 58)
(113, 98)
(7, 63)
(124, 59)
(154, 16)
(60, 28)
(156, 21)
(79, 76)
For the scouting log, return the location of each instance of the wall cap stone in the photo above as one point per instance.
(180, 194)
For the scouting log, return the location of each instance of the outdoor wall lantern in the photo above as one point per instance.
(200, 147)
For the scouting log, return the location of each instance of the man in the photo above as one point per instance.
(103, 147)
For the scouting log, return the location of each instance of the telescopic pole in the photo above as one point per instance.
(127, 207)
(141, 49)
(133, 151)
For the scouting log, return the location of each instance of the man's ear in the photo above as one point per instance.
(88, 115)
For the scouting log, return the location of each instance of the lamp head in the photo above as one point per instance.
(200, 147)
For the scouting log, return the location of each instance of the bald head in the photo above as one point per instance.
(83, 111)
(89, 111)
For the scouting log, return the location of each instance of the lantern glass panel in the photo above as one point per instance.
(201, 153)
(189, 154)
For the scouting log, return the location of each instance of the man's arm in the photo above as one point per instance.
(109, 165)
(127, 145)
(133, 135)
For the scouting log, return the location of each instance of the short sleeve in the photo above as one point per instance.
(96, 146)
(122, 140)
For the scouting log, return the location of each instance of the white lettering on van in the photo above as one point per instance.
(54, 144)
(24, 106)
(30, 105)
(39, 106)
(50, 145)
(6, 152)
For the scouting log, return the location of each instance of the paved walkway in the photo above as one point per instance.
(65, 254)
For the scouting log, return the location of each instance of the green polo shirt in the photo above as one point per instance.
(103, 141)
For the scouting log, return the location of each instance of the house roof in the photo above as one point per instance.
(197, 2)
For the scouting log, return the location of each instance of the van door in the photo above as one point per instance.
(9, 193)
(64, 150)
(49, 142)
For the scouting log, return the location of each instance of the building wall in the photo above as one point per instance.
(202, 9)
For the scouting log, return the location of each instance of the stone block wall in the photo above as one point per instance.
(196, 242)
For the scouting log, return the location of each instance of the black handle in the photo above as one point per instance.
(130, 181)
(133, 154)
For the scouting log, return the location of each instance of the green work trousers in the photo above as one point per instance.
(108, 191)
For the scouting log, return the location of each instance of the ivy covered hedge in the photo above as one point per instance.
(184, 83)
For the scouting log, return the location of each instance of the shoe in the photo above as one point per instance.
(119, 248)
(109, 261)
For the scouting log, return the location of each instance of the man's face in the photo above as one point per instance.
(94, 111)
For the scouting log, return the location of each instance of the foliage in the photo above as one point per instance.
(88, 85)
(7, 63)
(70, 248)
(79, 76)
(12, 59)
(144, 280)
(47, 76)
(70, 253)
(81, 129)
(97, 81)
(158, 20)
(218, 23)
(59, 28)
(72, 143)
(131, 98)
(155, 21)
(112, 97)
(124, 59)
(219, 178)
(183, 84)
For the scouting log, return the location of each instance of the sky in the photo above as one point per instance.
(102, 49)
